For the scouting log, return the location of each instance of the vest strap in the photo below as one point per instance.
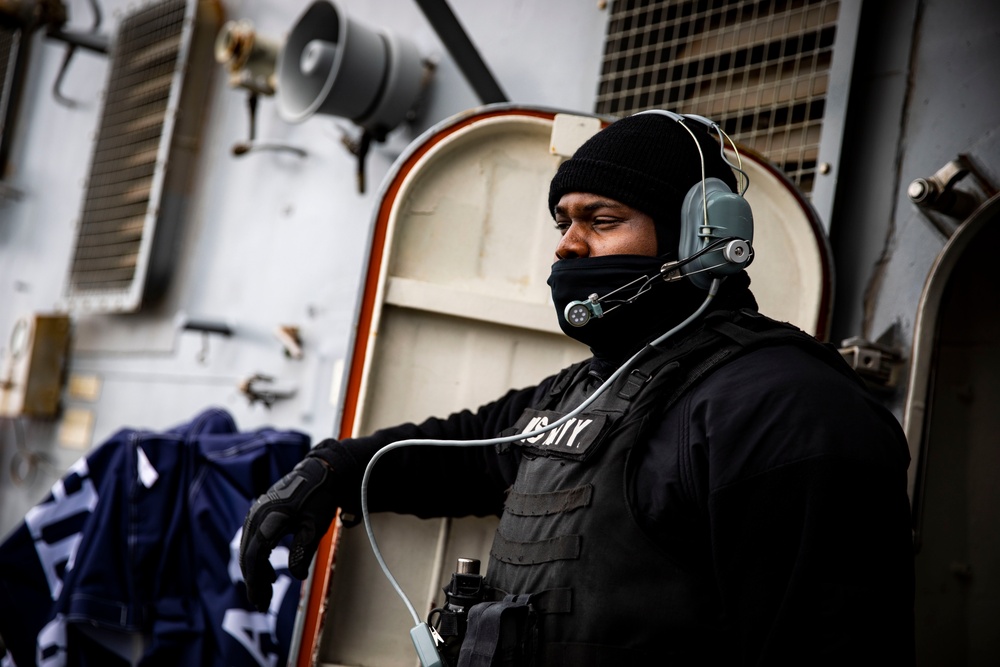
(549, 601)
(564, 547)
(699, 371)
(500, 634)
(633, 383)
(566, 377)
(553, 502)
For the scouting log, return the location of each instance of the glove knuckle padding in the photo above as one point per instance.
(287, 506)
(285, 489)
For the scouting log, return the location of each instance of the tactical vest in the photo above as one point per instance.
(568, 537)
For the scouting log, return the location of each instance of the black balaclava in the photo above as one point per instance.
(648, 162)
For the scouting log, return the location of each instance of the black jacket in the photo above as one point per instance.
(777, 478)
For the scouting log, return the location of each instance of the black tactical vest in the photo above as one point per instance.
(567, 535)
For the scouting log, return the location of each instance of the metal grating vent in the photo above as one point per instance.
(759, 68)
(138, 175)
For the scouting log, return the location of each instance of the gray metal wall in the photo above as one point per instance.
(270, 239)
(924, 91)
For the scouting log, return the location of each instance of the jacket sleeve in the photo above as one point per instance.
(429, 481)
(799, 479)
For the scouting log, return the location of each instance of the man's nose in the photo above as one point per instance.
(572, 244)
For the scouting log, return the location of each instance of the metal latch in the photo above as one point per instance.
(255, 393)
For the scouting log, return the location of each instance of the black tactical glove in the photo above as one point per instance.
(301, 503)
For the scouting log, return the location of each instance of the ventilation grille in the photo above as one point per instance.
(137, 175)
(760, 69)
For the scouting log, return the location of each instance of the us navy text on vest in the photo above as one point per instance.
(574, 439)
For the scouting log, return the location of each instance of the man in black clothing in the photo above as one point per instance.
(735, 497)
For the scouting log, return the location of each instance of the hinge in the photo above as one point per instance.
(876, 363)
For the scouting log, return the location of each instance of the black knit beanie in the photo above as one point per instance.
(648, 162)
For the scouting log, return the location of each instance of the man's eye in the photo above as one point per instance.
(603, 222)
(562, 226)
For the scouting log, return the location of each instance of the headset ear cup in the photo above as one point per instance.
(717, 214)
(729, 215)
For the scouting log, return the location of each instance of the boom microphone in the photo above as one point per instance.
(736, 254)
(578, 313)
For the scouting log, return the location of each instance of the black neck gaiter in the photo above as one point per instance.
(620, 333)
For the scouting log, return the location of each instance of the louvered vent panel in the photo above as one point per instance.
(136, 172)
(761, 69)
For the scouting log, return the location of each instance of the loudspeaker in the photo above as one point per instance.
(332, 65)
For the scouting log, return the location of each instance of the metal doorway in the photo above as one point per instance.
(952, 424)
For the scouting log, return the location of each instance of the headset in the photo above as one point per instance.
(716, 237)
(716, 241)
